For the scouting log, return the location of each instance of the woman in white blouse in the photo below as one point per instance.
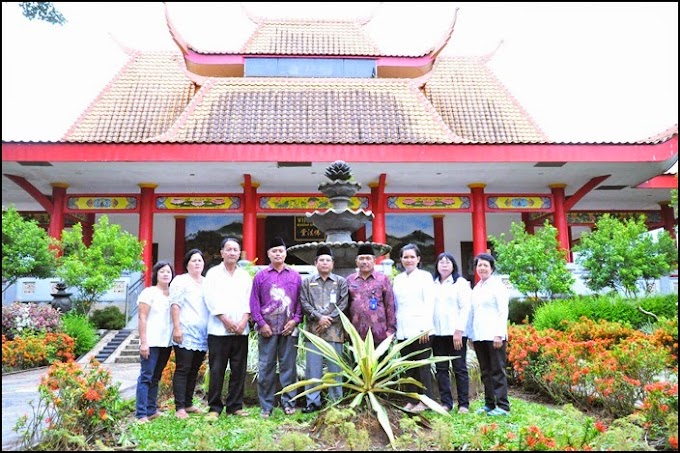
(451, 317)
(414, 304)
(190, 330)
(155, 336)
(490, 333)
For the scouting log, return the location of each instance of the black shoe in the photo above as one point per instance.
(311, 408)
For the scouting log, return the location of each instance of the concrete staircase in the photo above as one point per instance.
(112, 345)
(129, 352)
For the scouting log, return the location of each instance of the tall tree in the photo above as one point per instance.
(534, 262)
(619, 254)
(94, 269)
(26, 249)
(42, 11)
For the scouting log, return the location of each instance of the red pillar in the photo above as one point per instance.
(361, 234)
(378, 208)
(528, 226)
(478, 218)
(668, 217)
(146, 207)
(88, 229)
(261, 250)
(58, 206)
(560, 218)
(180, 242)
(438, 234)
(249, 217)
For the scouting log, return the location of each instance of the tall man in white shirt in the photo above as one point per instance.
(227, 296)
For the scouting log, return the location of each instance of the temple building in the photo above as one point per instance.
(183, 147)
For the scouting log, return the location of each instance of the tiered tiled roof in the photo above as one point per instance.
(310, 38)
(145, 98)
(152, 100)
(475, 105)
(266, 110)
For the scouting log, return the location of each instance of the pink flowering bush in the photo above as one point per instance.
(23, 318)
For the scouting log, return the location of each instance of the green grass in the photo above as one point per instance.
(565, 425)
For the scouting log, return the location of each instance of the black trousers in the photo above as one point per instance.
(443, 346)
(423, 373)
(492, 366)
(226, 350)
(187, 362)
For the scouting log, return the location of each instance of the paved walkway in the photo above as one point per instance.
(21, 387)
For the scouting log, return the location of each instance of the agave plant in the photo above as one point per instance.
(378, 373)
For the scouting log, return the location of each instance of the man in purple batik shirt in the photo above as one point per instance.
(275, 308)
(371, 302)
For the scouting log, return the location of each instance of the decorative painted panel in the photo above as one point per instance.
(518, 203)
(310, 203)
(424, 203)
(204, 203)
(590, 217)
(102, 203)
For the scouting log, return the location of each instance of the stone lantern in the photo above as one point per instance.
(61, 299)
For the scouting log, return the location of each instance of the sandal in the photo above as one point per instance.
(192, 409)
(182, 413)
(289, 410)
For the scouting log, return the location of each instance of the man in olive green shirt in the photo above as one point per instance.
(323, 295)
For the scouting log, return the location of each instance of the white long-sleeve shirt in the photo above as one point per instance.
(489, 302)
(451, 306)
(414, 303)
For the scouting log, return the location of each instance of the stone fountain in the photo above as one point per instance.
(339, 222)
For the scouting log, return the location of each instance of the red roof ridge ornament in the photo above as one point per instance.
(486, 58)
(176, 37)
(436, 50)
(128, 50)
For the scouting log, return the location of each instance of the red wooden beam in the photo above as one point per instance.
(660, 182)
(254, 152)
(583, 191)
(33, 191)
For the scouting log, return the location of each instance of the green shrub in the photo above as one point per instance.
(78, 327)
(109, 318)
(610, 308)
(521, 309)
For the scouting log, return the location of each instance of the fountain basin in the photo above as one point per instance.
(344, 253)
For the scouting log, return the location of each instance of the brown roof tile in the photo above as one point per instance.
(142, 101)
(476, 106)
(310, 111)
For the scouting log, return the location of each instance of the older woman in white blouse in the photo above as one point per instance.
(451, 317)
(190, 330)
(490, 333)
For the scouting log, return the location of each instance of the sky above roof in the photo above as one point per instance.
(583, 71)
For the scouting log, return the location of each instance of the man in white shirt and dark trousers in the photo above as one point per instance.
(227, 296)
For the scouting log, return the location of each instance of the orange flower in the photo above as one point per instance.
(601, 427)
(673, 441)
(92, 395)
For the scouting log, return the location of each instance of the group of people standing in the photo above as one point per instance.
(195, 315)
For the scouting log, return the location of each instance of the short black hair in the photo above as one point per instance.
(486, 257)
(158, 266)
(188, 255)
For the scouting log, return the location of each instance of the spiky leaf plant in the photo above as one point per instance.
(378, 373)
(338, 170)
